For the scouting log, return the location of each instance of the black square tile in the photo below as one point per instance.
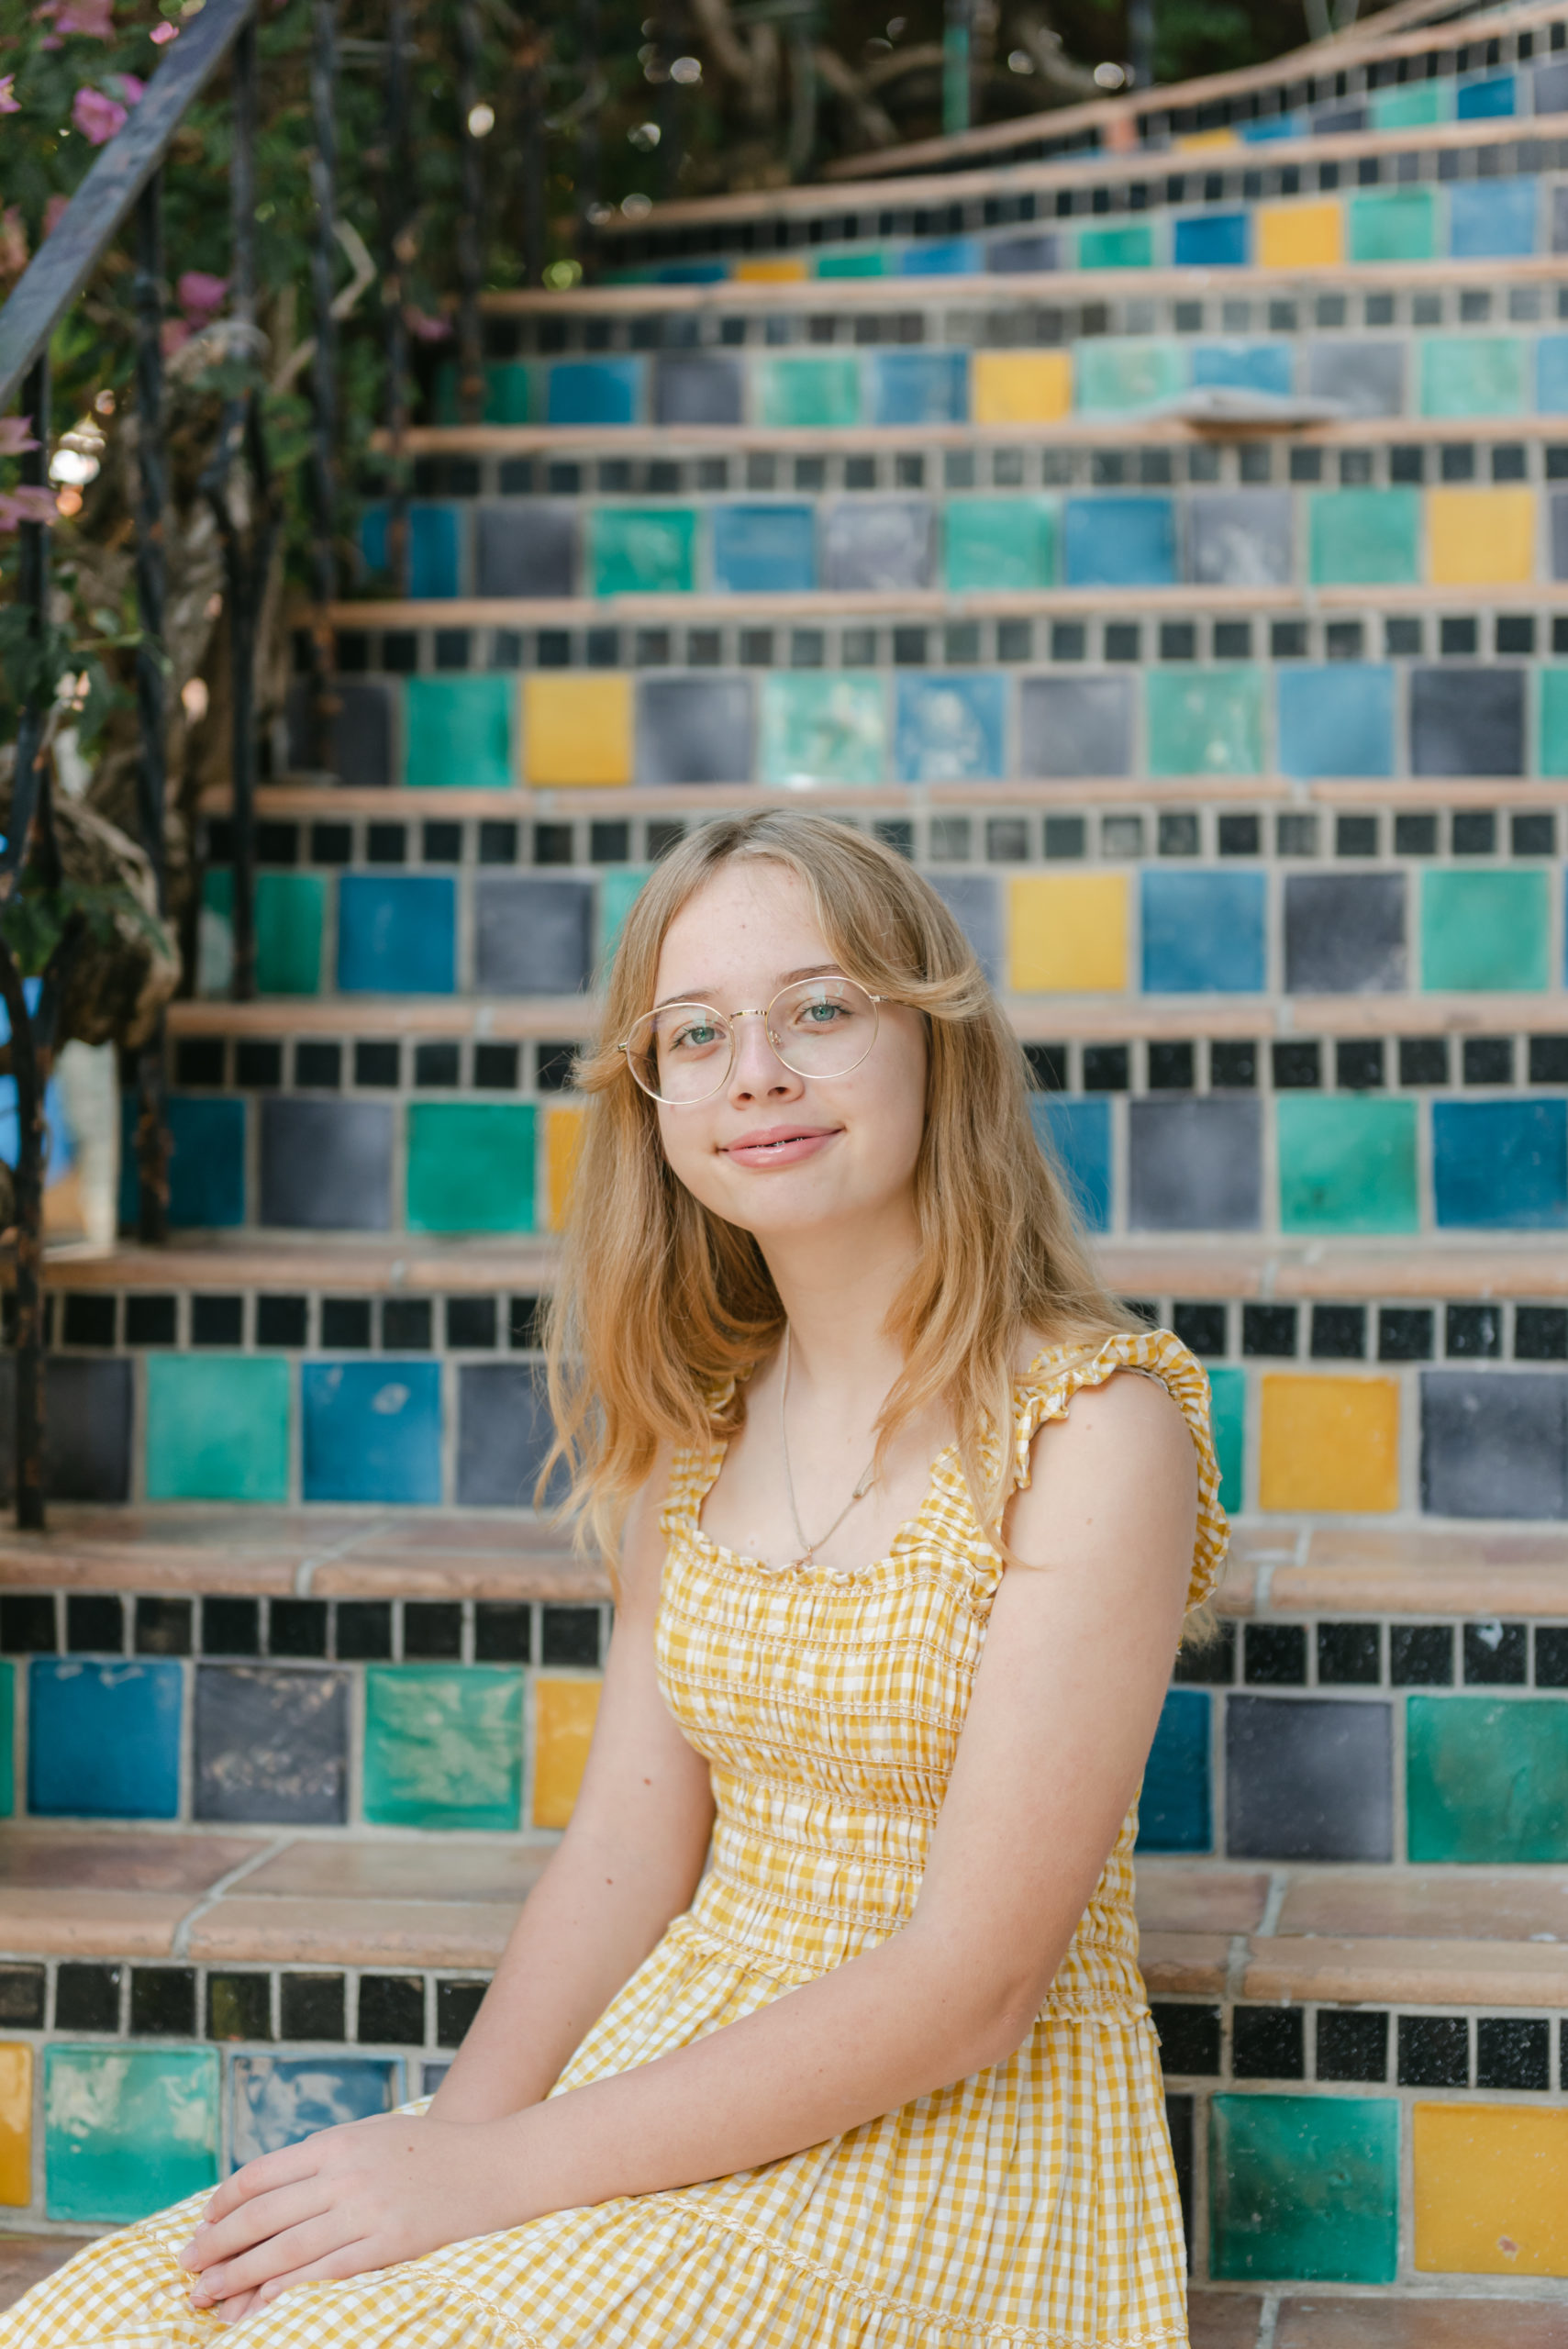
(378, 1064)
(552, 1067)
(1308, 1778)
(258, 1064)
(1405, 1333)
(312, 2006)
(1356, 836)
(1275, 1655)
(1496, 1655)
(1232, 1067)
(1434, 2052)
(1269, 1331)
(271, 1744)
(282, 1321)
(1475, 830)
(569, 1635)
(363, 1631)
(498, 843)
(1532, 835)
(1048, 1066)
(238, 2006)
(95, 1624)
(1178, 2125)
(152, 1321)
(441, 844)
(199, 1060)
(1268, 2043)
(1297, 1064)
(406, 1324)
(432, 1629)
(1106, 1068)
(218, 1320)
(1423, 1060)
(163, 2002)
(88, 1318)
(1210, 1662)
(1189, 2038)
(1415, 834)
(1338, 1333)
(1201, 1327)
(231, 1627)
(1486, 1060)
(22, 1997)
(1359, 1063)
(1551, 1655)
(87, 1998)
(457, 2003)
(502, 1632)
(1351, 2044)
(1474, 1332)
(496, 1068)
(345, 1323)
(28, 1623)
(471, 1322)
(1350, 1654)
(319, 1066)
(1239, 836)
(438, 1064)
(1549, 1060)
(392, 2010)
(297, 1628)
(162, 1627)
(1513, 2051)
(1420, 1655)
(1170, 1068)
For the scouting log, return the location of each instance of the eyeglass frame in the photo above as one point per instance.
(751, 1012)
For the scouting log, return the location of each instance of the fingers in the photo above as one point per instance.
(353, 2259)
(280, 2254)
(269, 2171)
(254, 2222)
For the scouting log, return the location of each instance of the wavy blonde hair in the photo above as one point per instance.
(660, 1303)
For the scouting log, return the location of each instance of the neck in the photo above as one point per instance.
(836, 1296)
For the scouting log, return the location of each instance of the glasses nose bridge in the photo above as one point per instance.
(752, 1012)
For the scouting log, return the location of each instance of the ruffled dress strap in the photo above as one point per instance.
(693, 1470)
(1048, 1384)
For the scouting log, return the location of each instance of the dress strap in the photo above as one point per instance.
(694, 1470)
(1052, 1380)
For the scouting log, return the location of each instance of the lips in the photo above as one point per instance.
(779, 1145)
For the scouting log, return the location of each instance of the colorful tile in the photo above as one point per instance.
(524, 547)
(1480, 537)
(1552, 730)
(1466, 720)
(217, 1428)
(128, 2131)
(207, 1164)
(1397, 223)
(974, 899)
(1195, 1164)
(942, 257)
(1119, 543)
(396, 934)
(703, 387)
(919, 387)
(1036, 250)
(275, 2101)
(1204, 933)
(1347, 1163)
(1020, 386)
(103, 1739)
(563, 1131)
(1464, 375)
(593, 390)
(1368, 378)
(989, 544)
(458, 733)
(1299, 236)
(619, 889)
(1490, 2189)
(823, 727)
(1308, 1778)
(1552, 373)
(1495, 1445)
(533, 933)
(565, 1706)
(1228, 1414)
(88, 1410)
(1175, 1810)
(360, 731)
(289, 909)
(8, 1738)
(1500, 1165)
(1492, 219)
(577, 730)
(1487, 1780)
(1211, 240)
(1068, 933)
(434, 547)
(1364, 537)
(1127, 247)
(471, 1166)
(693, 729)
(948, 727)
(443, 1746)
(1303, 2188)
(1265, 368)
(1075, 1135)
(879, 545)
(504, 1434)
(764, 549)
(1075, 726)
(372, 1431)
(15, 2124)
(326, 1165)
(1485, 931)
(1205, 721)
(1484, 98)
(1329, 1443)
(641, 551)
(821, 393)
(1344, 934)
(271, 1745)
(1240, 538)
(1116, 374)
(1335, 718)
(1412, 107)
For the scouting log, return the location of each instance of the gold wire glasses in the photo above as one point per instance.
(683, 1052)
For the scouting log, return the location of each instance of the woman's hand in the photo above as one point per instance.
(349, 2199)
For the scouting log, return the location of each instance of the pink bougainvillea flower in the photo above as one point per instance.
(9, 102)
(165, 32)
(13, 243)
(424, 328)
(97, 117)
(16, 435)
(93, 19)
(17, 506)
(172, 336)
(200, 295)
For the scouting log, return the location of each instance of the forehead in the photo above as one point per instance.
(749, 915)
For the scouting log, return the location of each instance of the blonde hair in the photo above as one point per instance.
(661, 1307)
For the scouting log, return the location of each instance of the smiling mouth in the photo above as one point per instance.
(764, 1145)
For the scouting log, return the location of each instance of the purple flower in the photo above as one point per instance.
(97, 117)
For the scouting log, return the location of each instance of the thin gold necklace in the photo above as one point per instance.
(808, 1549)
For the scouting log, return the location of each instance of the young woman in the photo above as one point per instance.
(904, 1558)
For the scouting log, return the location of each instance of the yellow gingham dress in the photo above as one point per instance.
(1033, 2205)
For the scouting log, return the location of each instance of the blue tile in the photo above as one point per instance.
(1491, 219)
(1176, 1810)
(1500, 1165)
(1336, 718)
(975, 902)
(921, 387)
(274, 2100)
(207, 1165)
(1211, 239)
(1119, 543)
(1204, 933)
(764, 549)
(1075, 1134)
(593, 390)
(127, 2130)
(103, 1739)
(1485, 101)
(325, 1165)
(942, 257)
(435, 547)
(1244, 367)
(949, 727)
(1195, 1164)
(396, 934)
(372, 1431)
(1552, 375)
(691, 272)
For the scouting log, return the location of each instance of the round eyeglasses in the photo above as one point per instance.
(684, 1053)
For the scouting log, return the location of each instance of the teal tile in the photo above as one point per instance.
(1228, 1410)
(823, 727)
(1413, 107)
(471, 1166)
(1366, 537)
(127, 2130)
(1485, 930)
(1206, 721)
(825, 391)
(1118, 372)
(863, 261)
(1000, 542)
(217, 1427)
(443, 1746)
(642, 551)
(1132, 247)
(619, 891)
(7, 1739)
(1487, 1779)
(1552, 735)
(1303, 2188)
(1472, 374)
(460, 731)
(1400, 225)
(1347, 1163)
(290, 908)
(510, 393)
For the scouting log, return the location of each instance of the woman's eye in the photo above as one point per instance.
(695, 1038)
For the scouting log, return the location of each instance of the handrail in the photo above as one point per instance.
(103, 203)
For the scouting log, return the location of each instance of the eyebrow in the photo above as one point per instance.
(808, 971)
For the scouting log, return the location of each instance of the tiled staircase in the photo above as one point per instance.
(1237, 739)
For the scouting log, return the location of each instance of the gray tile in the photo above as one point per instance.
(1560, 220)
(1367, 377)
(1075, 726)
(1239, 538)
(532, 936)
(87, 1429)
(693, 729)
(1043, 251)
(879, 543)
(696, 388)
(1495, 1443)
(1550, 95)
(326, 1165)
(1344, 934)
(360, 744)
(1195, 1166)
(1558, 502)
(504, 1433)
(974, 899)
(1467, 721)
(1308, 1778)
(524, 546)
(271, 1744)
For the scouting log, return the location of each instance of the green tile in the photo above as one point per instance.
(1228, 1412)
(217, 1427)
(1347, 1163)
(7, 1739)
(1303, 2188)
(458, 730)
(1472, 374)
(1411, 108)
(1365, 537)
(829, 726)
(1552, 759)
(874, 260)
(1000, 542)
(1127, 248)
(289, 910)
(811, 391)
(443, 1746)
(1206, 721)
(127, 2130)
(471, 1166)
(509, 397)
(1485, 930)
(1399, 226)
(642, 549)
(618, 892)
(1487, 1779)
(1118, 372)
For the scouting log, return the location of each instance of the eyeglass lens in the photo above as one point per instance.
(818, 1028)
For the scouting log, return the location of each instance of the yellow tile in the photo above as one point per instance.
(1020, 386)
(15, 2124)
(1301, 236)
(1329, 1444)
(770, 273)
(1069, 934)
(563, 1141)
(1480, 537)
(565, 1705)
(1491, 2189)
(1197, 141)
(577, 730)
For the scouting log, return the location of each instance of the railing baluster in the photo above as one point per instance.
(531, 112)
(398, 219)
(323, 183)
(152, 498)
(587, 129)
(470, 229)
(243, 592)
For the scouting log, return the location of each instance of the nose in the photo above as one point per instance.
(757, 1069)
